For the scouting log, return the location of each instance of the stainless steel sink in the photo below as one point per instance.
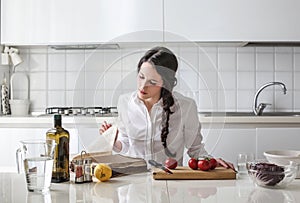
(234, 114)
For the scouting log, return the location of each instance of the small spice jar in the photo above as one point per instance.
(88, 170)
(79, 171)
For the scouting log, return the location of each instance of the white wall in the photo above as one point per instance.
(218, 78)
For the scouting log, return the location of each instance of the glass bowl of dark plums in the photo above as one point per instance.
(271, 175)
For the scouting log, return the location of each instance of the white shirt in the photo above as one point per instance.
(140, 130)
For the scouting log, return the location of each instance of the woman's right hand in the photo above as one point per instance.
(117, 146)
(104, 127)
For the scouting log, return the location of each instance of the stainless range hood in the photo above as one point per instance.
(85, 46)
(273, 44)
(249, 44)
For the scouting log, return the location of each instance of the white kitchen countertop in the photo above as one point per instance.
(46, 121)
(143, 188)
(92, 121)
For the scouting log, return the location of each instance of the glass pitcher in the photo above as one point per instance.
(35, 158)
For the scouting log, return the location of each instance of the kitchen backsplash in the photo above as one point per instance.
(218, 78)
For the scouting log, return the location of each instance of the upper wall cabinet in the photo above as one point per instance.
(232, 20)
(36, 22)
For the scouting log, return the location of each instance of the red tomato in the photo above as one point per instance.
(203, 165)
(213, 163)
(171, 163)
(193, 163)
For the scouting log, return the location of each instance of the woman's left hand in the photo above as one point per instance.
(225, 164)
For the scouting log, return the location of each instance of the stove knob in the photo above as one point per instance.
(75, 111)
(91, 111)
(83, 111)
(66, 111)
(114, 110)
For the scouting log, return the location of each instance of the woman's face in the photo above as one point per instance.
(149, 83)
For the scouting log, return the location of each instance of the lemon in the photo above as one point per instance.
(102, 172)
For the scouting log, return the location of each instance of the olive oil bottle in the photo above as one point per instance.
(60, 171)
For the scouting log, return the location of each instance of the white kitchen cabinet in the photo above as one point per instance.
(10, 142)
(25, 21)
(277, 139)
(35, 22)
(231, 20)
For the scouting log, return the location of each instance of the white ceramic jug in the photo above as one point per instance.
(19, 104)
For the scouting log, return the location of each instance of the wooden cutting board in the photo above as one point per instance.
(185, 173)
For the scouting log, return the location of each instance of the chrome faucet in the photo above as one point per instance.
(258, 110)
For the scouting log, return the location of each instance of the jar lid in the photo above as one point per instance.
(87, 161)
(78, 162)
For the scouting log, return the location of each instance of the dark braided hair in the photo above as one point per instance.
(165, 63)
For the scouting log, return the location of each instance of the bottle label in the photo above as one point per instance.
(79, 174)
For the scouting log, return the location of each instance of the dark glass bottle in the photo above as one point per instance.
(60, 172)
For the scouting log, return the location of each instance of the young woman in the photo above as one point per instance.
(155, 122)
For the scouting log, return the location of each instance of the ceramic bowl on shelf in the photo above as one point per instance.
(271, 175)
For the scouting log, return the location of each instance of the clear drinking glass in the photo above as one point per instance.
(242, 160)
(35, 158)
